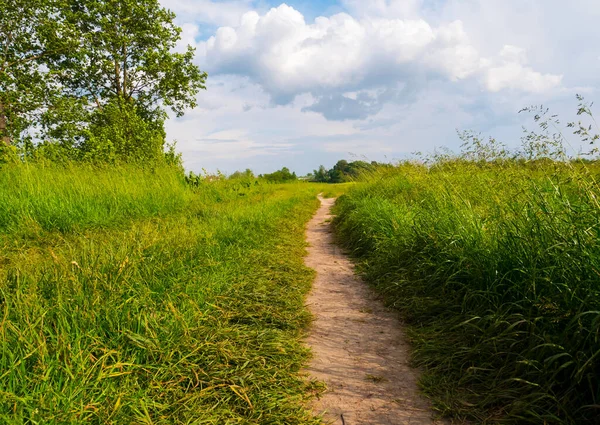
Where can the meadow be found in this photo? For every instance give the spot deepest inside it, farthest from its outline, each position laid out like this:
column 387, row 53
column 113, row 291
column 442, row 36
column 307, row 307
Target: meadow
column 495, row 268
column 131, row 294
column 128, row 296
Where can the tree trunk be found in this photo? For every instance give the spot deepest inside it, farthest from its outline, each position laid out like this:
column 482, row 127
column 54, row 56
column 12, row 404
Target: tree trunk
column 117, row 78
column 125, row 94
column 4, row 126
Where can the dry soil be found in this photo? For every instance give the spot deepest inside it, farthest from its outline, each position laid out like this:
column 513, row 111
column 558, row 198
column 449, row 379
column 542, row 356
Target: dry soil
column 359, row 348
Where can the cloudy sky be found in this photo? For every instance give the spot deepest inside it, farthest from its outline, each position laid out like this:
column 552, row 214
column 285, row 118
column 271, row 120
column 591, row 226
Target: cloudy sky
column 305, row 83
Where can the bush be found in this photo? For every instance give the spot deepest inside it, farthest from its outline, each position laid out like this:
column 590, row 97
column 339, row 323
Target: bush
column 118, row 132
column 281, row 176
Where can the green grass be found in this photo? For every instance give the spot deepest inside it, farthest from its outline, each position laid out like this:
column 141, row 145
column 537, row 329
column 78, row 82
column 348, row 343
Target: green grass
column 334, row 190
column 66, row 198
column 144, row 301
column 496, row 269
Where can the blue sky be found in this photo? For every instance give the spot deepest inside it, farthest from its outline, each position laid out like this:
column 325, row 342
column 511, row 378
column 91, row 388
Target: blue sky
column 305, row 83
column 312, row 8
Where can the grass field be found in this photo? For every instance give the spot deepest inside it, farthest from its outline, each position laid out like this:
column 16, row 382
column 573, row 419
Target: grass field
column 496, row 269
column 128, row 297
column 36, row 198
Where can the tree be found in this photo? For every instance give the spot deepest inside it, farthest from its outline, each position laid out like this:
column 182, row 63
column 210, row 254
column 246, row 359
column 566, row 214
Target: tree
column 126, row 52
column 321, row 175
column 30, row 31
column 119, row 132
column 281, row 176
column 247, row 174
column 343, row 171
column 119, row 80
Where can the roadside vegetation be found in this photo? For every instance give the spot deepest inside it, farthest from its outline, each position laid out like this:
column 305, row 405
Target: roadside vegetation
column 131, row 292
column 344, row 171
column 493, row 259
column 128, row 296
column 37, row 198
column 91, row 81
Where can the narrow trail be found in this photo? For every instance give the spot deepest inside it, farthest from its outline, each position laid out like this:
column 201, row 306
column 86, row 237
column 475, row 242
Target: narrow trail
column 358, row 345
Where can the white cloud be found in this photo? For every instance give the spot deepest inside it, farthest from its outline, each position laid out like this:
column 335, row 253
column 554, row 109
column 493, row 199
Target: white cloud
column 384, row 8
column 512, row 73
column 234, row 144
column 189, row 34
column 218, row 13
column 235, row 126
column 384, row 79
column 518, row 77
column 287, row 56
column 454, row 53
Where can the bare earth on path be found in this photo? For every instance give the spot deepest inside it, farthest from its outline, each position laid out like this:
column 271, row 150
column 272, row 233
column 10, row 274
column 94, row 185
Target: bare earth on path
column 358, row 346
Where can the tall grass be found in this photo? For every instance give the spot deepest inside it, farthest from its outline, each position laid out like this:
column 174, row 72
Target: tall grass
column 191, row 310
column 65, row 198
column 496, row 269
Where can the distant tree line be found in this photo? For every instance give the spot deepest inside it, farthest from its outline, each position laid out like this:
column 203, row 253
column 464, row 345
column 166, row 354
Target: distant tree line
column 344, row 171
column 91, row 79
column 245, row 177
column 281, row 176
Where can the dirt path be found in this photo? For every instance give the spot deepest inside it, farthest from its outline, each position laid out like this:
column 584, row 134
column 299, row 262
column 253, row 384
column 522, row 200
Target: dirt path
column 358, row 345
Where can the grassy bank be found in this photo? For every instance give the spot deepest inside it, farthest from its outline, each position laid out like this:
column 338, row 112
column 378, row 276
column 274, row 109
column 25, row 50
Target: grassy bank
column 144, row 301
column 496, row 269
column 67, row 198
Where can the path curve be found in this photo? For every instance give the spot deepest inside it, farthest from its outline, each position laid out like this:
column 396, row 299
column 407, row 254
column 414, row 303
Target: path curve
column 358, row 346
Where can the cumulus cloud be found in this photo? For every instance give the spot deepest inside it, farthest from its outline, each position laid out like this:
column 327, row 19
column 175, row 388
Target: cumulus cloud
column 226, row 12
column 287, row 56
column 342, row 107
column 512, row 73
column 386, row 78
column 384, row 8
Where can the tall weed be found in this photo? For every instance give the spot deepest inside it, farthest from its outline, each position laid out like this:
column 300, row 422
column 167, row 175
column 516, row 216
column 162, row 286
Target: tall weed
column 495, row 267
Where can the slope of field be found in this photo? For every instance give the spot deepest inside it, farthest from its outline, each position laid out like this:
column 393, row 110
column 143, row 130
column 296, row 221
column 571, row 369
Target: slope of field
column 35, row 198
column 127, row 297
column 496, row 268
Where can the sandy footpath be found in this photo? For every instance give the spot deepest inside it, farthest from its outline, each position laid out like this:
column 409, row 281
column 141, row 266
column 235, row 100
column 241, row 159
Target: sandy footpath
column 358, row 345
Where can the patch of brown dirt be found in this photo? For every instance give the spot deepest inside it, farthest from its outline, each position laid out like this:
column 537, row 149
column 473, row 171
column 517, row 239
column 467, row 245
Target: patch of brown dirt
column 358, row 345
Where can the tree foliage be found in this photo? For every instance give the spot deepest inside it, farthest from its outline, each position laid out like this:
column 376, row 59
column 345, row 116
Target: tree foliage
column 281, row 176
column 343, row 171
column 126, row 51
column 118, row 131
column 246, row 174
column 30, row 31
column 94, row 79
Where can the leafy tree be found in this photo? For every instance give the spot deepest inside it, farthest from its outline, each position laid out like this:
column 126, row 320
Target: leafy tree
column 97, row 75
column 321, row 175
column 246, row 174
column 282, row 176
column 118, row 132
column 336, row 175
column 126, row 52
column 116, row 86
column 30, row 31
column 65, row 122
column 343, row 171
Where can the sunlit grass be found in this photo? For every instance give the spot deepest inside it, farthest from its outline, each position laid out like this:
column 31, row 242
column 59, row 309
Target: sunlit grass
column 65, row 198
column 496, row 269
column 145, row 301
